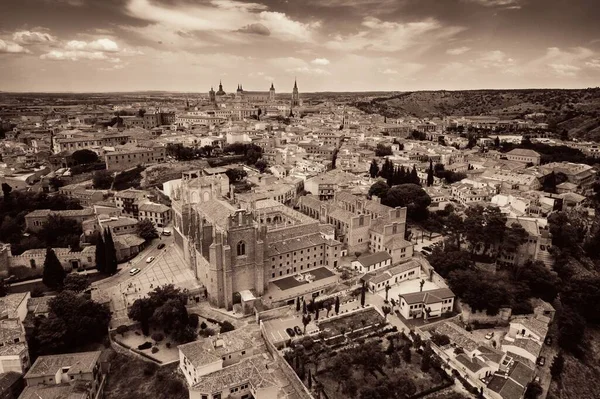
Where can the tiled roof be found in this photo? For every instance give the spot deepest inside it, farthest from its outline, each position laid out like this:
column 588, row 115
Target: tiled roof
column 472, row 364
column 530, row 322
column 10, row 303
column 64, row 213
column 82, row 362
column 254, row 371
column 62, row 391
column 529, row 345
column 152, row 207
column 457, row 335
column 523, row 152
column 13, row 349
column 294, row 244
column 128, row 241
column 371, row 259
column 428, row 297
column 206, row 351
column 397, row 242
column 217, row 212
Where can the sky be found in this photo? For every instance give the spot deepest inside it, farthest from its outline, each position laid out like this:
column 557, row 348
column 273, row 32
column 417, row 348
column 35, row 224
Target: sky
column 327, row 45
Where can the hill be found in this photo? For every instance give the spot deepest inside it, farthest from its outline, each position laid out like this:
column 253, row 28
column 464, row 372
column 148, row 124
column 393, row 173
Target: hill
column 574, row 111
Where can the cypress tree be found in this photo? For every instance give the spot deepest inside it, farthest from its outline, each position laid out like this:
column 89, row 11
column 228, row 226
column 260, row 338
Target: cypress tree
column 414, row 176
column 111, row 253
column 54, row 274
column 337, row 305
column 430, row 174
column 100, row 253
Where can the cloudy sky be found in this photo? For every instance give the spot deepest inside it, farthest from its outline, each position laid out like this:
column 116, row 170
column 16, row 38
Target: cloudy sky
column 329, row 45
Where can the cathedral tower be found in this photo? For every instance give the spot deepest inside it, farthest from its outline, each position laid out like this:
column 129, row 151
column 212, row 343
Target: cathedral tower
column 295, row 95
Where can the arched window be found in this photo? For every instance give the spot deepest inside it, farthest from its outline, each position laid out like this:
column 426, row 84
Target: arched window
column 241, row 248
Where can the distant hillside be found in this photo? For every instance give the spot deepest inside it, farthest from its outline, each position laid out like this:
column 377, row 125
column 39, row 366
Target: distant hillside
column 574, row 111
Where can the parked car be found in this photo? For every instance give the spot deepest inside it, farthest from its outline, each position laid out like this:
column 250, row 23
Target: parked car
column 541, row 361
column 149, row 259
column 537, row 379
column 548, row 340
column 489, row 335
column 298, row 330
column 161, row 245
column 166, row 232
column 290, row 332
column 426, row 251
column 134, row 271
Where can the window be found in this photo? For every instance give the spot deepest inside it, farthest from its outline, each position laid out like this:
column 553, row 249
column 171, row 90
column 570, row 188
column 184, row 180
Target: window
column 241, row 248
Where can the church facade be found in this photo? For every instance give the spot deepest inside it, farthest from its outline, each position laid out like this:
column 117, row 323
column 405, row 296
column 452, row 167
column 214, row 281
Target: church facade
column 233, row 250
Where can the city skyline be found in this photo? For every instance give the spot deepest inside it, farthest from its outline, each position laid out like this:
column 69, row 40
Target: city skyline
column 329, row 45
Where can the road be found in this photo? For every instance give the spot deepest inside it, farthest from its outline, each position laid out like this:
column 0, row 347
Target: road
column 139, row 261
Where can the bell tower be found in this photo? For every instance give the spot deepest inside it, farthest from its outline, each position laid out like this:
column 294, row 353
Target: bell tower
column 295, row 95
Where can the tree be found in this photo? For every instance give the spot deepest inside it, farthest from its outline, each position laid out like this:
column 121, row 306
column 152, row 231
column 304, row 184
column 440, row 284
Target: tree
column 85, row 156
column 141, row 311
column 76, row 283
column 309, row 383
column 395, row 360
column 6, row 190
column 374, row 169
column 226, row 326
column 383, row 150
column 426, row 359
column 73, row 322
column 146, row 230
column 430, row 179
column 54, row 274
column 497, row 142
column 558, row 364
column 305, row 320
column 297, row 304
column 445, row 261
column 406, row 354
column 362, row 294
column 337, row 305
column 411, row 196
column 571, row 328
column 100, row 253
column 440, row 339
column 171, row 315
column 386, row 310
column 236, row 174
column 261, row 165
column 111, row 253
column 379, row 189
column 533, row 391
column 55, row 183
column 102, row 179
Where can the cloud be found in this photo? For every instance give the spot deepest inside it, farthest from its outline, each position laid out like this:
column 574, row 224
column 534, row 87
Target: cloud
column 320, row 61
column 104, row 45
column 73, row 55
column 73, row 3
column 378, row 35
column 458, row 50
column 562, row 63
column 28, row 37
column 308, row 71
column 223, row 17
column 284, row 28
column 511, row 4
column 595, row 63
column 565, row 70
column 12, row 48
column 494, row 59
column 256, row 29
